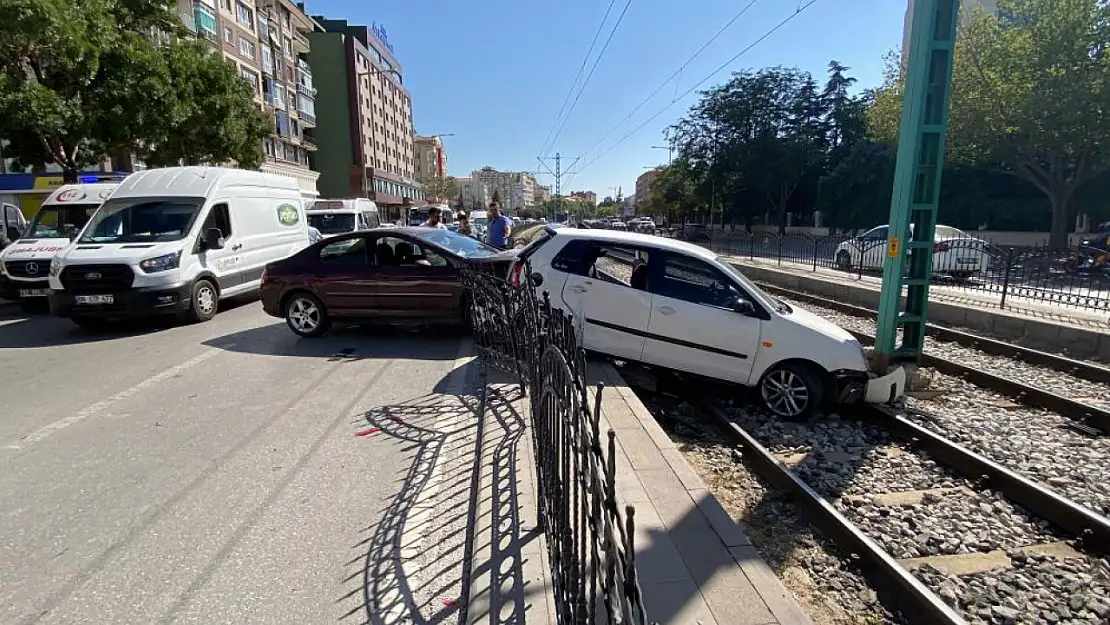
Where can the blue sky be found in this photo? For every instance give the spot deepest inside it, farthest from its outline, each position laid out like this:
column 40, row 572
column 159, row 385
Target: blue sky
column 495, row 72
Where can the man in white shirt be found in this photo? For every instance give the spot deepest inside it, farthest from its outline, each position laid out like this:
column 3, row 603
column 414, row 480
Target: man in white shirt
column 434, row 219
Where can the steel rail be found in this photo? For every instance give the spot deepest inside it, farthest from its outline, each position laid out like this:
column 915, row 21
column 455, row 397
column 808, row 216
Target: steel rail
column 902, row 590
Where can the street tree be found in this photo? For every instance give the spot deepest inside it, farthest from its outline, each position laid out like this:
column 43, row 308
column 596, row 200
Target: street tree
column 211, row 115
column 82, row 79
column 496, row 197
column 441, row 188
column 1029, row 91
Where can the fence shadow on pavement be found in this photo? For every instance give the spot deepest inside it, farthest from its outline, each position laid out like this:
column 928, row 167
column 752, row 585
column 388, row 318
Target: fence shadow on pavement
column 410, row 564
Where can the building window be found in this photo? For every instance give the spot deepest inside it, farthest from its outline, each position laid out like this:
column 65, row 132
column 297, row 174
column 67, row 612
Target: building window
column 244, row 16
column 229, row 36
column 226, row 4
column 287, row 46
column 246, row 48
column 267, row 59
column 251, row 77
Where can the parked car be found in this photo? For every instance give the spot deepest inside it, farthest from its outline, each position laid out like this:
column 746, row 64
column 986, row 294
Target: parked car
column 695, row 232
column 683, row 308
column 955, row 252
column 407, row 276
column 176, row 241
column 24, row 266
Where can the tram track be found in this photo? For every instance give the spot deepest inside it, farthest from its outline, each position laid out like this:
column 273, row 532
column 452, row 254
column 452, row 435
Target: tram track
column 905, row 529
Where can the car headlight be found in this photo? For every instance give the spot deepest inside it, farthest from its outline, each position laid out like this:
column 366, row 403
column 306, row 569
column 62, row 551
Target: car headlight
column 161, row 263
column 55, row 268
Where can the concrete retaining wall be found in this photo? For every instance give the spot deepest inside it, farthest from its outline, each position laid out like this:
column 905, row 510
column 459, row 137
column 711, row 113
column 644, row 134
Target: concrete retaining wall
column 1040, row 334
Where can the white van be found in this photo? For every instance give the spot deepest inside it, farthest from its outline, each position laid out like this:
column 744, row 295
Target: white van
column 332, row 217
column 176, row 241
column 25, row 263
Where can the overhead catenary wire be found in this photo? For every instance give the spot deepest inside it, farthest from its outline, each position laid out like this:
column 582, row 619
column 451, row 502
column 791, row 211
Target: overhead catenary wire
column 678, row 71
column 593, row 68
column 724, row 65
column 574, row 83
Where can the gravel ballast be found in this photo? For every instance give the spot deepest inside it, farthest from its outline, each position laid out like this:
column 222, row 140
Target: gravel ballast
column 1034, row 442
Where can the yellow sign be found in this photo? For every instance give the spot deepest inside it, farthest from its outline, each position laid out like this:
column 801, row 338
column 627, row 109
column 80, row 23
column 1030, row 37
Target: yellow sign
column 892, row 247
column 49, row 183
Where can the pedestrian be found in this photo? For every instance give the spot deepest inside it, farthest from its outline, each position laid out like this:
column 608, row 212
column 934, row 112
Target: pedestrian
column 314, row 235
column 500, row 227
column 464, row 225
column 434, row 219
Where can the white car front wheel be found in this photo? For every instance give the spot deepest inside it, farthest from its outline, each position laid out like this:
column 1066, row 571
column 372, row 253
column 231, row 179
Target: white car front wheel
column 793, row 391
column 844, row 260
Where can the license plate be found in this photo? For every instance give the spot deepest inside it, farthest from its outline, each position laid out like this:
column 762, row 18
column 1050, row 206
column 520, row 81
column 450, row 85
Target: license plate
column 968, row 261
column 34, row 292
column 93, row 299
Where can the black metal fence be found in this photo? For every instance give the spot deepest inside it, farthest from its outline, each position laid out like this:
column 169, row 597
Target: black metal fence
column 1077, row 277
column 589, row 537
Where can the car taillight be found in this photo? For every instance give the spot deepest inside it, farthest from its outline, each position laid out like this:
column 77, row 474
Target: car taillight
column 514, row 278
column 941, row 247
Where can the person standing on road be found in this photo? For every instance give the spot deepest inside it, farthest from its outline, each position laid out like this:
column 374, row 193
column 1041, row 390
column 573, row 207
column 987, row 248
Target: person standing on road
column 314, row 235
column 500, row 227
column 433, row 219
column 464, row 225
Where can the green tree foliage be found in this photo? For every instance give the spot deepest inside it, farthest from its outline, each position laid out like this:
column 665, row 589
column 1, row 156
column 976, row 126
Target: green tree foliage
column 441, row 188
column 1028, row 97
column 496, row 196
column 210, row 116
column 80, row 79
column 757, row 147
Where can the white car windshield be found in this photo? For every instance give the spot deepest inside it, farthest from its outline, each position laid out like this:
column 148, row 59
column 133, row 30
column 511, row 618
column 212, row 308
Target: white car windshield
column 60, row 222
column 465, row 247
column 142, row 220
column 750, row 286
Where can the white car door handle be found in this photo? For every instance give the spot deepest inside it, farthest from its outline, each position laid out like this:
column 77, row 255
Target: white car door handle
column 578, row 288
column 666, row 310
column 237, row 246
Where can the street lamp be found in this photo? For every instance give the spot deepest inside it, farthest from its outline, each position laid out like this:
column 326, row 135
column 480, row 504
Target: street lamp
column 668, row 148
column 374, row 71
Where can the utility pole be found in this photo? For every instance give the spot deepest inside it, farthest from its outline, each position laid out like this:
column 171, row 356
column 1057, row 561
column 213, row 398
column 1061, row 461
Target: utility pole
column 913, row 207
column 558, row 173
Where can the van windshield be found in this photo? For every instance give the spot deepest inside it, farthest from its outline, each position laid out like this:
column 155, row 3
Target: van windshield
column 142, row 220
column 60, row 222
column 332, row 223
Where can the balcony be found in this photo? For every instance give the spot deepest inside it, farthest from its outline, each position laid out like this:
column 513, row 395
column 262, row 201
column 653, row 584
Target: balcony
column 309, row 142
column 300, row 42
column 308, row 118
column 306, row 91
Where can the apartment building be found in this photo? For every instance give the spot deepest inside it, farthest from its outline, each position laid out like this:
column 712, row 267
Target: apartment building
column 584, row 196
column 645, row 180
column 474, row 193
column 542, row 194
column 266, row 40
column 429, row 158
column 517, row 189
column 364, row 117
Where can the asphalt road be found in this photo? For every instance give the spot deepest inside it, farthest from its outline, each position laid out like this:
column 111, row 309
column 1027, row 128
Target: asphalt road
column 199, row 474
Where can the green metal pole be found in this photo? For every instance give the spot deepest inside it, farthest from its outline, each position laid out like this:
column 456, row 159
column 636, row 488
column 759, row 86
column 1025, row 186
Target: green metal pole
column 913, row 208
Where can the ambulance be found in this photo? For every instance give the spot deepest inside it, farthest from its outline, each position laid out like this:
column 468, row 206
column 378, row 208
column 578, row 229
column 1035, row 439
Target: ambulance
column 25, row 264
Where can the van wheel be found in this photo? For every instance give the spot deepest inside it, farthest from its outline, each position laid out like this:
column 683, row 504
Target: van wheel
column 306, row 316
column 204, row 303
column 793, row 391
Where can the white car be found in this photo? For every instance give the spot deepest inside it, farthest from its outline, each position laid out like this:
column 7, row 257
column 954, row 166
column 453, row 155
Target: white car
column 681, row 307
column 955, row 252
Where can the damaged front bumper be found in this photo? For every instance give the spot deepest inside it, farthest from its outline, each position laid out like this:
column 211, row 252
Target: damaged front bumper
column 858, row 386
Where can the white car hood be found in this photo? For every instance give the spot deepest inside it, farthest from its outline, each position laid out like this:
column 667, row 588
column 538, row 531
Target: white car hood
column 819, row 324
column 34, row 249
column 129, row 253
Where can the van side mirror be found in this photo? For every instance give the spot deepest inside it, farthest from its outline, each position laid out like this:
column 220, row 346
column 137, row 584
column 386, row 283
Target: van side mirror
column 213, row 239
column 743, row 306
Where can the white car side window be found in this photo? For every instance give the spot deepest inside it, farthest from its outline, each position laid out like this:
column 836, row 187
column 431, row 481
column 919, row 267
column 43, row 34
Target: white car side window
column 694, row 281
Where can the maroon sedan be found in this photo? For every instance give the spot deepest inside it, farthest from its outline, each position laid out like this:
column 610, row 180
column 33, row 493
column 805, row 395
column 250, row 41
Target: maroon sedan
column 385, row 275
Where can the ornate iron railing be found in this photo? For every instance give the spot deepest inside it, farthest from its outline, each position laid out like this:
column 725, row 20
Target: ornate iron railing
column 589, row 537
